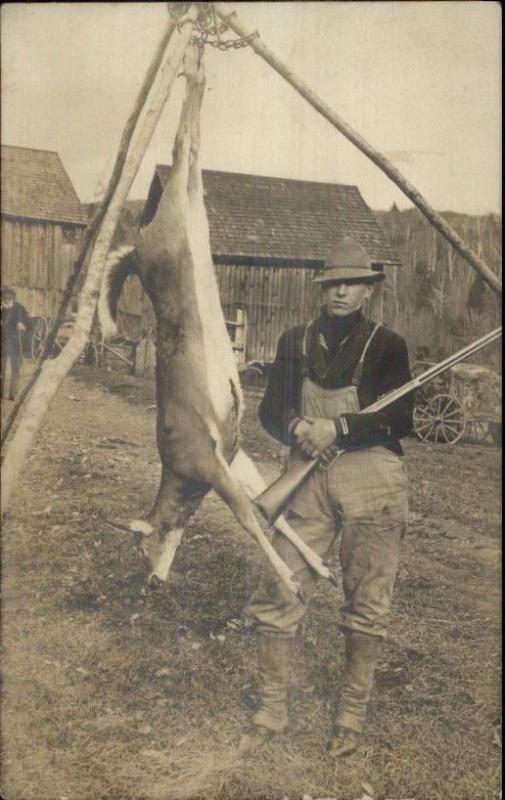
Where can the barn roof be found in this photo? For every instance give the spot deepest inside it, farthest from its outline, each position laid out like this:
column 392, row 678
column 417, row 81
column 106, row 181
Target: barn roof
column 259, row 217
column 36, row 186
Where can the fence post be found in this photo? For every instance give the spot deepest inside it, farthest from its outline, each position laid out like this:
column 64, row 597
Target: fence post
column 240, row 335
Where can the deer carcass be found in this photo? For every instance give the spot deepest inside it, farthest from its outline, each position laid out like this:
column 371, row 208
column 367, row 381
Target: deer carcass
column 199, row 397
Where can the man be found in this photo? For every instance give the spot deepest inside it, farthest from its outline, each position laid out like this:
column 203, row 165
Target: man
column 14, row 319
column 323, row 374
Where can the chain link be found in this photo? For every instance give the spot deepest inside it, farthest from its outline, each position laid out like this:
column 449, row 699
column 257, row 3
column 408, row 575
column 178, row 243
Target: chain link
column 208, row 29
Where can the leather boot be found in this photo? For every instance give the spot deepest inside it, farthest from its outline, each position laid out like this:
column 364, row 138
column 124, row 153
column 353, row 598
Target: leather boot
column 361, row 655
column 274, row 664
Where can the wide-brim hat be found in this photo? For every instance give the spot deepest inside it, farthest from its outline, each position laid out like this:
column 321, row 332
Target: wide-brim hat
column 348, row 261
column 7, row 291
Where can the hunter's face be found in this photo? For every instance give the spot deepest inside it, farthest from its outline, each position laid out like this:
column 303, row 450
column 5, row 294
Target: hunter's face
column 7, row 302
column 343, row 298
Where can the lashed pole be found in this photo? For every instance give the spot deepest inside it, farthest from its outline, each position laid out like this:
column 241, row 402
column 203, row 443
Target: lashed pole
column 346, row 130
column 53, row 372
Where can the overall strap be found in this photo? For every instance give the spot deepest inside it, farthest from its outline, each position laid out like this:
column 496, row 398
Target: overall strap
column 305, row 349
column 358, row 371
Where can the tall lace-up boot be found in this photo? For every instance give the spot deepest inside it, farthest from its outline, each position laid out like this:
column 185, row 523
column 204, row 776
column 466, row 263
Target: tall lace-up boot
column 361, row 653
column 274, row 665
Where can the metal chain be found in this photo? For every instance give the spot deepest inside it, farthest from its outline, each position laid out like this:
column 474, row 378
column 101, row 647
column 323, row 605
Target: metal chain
column 207, row 28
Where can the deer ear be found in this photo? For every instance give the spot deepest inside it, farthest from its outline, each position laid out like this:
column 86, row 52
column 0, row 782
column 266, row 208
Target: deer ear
column 139, row 526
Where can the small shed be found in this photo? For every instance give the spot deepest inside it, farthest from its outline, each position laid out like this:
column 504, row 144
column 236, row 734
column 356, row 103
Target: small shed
column 269, row 237
column 41, row 223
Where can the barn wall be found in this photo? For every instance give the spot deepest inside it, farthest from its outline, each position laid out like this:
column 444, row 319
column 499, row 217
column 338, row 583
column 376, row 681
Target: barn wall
column 274, row 298
column 36, row 260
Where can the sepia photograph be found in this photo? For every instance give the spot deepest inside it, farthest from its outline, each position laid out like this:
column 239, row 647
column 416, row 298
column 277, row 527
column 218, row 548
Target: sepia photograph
column 251, row 394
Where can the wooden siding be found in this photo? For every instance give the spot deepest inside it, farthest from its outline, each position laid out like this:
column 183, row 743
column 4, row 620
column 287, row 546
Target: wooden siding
column 274, row 299
column 36, row 261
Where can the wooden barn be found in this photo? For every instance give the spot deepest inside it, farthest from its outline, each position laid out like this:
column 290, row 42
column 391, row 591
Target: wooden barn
column 42, row 220
column 269, row 238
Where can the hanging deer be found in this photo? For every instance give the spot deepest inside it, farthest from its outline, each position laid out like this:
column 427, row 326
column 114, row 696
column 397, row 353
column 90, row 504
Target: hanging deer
column 199, row 397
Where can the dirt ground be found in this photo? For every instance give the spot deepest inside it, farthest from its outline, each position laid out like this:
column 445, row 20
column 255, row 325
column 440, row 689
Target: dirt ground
column 112, row 695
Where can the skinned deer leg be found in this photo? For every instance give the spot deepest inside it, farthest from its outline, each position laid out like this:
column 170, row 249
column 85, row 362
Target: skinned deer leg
column 230, row 490
column 246, row 472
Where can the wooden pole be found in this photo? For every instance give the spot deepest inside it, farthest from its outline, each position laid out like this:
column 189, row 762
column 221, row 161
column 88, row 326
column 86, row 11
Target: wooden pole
column 336, row 120
column 94, row 224
column 53, row 372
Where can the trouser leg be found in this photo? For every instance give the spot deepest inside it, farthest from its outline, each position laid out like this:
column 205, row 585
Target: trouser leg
column 3, row 374
column 15, row 371
column 275, row 610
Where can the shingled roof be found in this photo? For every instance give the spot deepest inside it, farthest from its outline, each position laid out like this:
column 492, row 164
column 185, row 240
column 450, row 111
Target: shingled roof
column 258, row 217
column 36, row 186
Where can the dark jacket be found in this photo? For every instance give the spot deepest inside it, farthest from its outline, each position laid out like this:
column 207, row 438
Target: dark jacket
column 386, row 367
column 10, row 336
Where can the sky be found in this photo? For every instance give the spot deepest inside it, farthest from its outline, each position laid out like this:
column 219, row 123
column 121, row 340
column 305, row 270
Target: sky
column 420, row 81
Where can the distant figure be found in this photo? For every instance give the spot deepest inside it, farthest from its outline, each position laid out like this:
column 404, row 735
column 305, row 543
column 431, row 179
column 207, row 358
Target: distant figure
column 14, row 319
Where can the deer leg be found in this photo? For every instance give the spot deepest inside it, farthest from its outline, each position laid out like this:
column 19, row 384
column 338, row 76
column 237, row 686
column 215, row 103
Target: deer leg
column 185, row 135
column 231, row 491
column 246, row 472
column 159, row 537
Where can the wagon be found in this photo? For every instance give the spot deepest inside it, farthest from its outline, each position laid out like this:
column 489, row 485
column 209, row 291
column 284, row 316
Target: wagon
column 462, row 402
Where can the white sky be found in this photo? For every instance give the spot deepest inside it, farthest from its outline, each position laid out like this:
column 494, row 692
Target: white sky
column 419, row 80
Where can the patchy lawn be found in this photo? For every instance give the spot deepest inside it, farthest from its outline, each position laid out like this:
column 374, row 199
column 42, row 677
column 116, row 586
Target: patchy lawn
column 110, row 695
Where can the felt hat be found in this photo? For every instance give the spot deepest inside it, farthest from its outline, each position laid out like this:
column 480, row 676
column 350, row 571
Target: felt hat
column 8, row 291
column 348, row 261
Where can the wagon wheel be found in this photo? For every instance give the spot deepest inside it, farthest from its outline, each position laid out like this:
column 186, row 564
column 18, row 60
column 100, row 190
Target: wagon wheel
column 39, row 336
column 477, row 430
column 441, row 419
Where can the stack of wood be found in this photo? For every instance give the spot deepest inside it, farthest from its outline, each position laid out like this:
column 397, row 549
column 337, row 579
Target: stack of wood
column 479, row 390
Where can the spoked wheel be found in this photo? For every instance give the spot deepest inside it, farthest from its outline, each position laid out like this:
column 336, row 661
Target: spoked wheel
column 39, row 336
column 440, row 420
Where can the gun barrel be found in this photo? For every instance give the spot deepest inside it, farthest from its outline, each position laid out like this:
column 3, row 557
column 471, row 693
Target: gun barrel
column 433, row 372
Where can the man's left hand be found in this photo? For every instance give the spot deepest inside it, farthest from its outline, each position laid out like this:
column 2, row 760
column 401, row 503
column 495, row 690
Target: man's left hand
column 317, row 436
column 20, row 327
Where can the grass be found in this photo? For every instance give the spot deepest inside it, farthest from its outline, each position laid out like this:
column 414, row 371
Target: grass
column 111, row 695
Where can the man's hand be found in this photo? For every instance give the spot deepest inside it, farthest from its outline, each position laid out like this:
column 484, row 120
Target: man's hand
column 314, row 436
column 20, row 327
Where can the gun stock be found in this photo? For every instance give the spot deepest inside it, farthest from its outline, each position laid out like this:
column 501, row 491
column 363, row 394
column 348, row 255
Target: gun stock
column 274, row 499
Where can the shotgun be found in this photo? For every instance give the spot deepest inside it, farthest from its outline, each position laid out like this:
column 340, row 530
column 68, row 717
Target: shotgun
column 274, row 499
